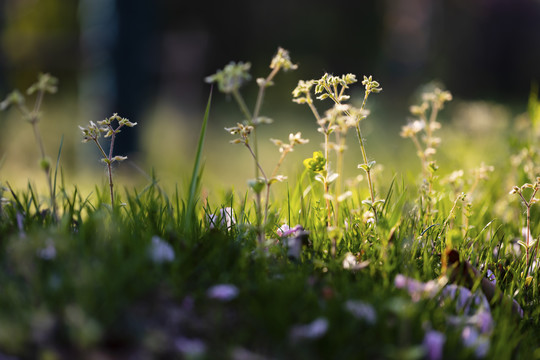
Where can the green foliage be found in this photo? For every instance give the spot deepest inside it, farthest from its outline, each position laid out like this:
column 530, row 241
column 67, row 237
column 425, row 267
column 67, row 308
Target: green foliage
column 337, row 273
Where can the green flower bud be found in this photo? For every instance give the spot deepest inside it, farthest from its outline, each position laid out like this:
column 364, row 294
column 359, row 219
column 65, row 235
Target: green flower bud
column 45, row 164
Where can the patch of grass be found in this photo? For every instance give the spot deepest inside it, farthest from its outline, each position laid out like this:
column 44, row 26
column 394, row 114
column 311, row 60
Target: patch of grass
column 433, row 265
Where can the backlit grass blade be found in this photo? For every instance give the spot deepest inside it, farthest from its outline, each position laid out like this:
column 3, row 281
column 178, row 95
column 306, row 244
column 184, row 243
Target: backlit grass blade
column 197, row 171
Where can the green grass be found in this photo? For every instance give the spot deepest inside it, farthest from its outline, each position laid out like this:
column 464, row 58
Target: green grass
column 136, row 280
column 101, row 291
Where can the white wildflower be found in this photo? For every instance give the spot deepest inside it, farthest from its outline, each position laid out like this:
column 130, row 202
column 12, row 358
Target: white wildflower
column 160, row 251
column 350, row 262
column 222, row 292
column 361, row 311
column 314, row 330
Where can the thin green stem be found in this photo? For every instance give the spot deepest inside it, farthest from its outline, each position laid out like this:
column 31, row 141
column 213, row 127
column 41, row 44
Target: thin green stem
column 527, row 236
column 109, row 168
column 33, row 118
column 421, row 155
column 339, row 180
column 260, row 230
column 242, row 104
column 257, row 162
column 262, row 88
column 365, row 159
column 362, row 147
column 250, row 118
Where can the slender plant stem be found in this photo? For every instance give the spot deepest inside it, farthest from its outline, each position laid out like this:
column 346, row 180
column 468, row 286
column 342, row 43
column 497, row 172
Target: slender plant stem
column 255, row 151
column 33, row 118
column 362, row 145
column 421, row 155
column 257, row 162
column 262, row 88
column 527, row 236
column 250, row 118
column 341, row 145
column 242, row 104
column 260, row 231
column 528, row 205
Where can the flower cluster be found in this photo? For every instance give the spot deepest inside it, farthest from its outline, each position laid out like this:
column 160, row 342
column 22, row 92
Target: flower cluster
column 334, row 86
column 93, row 132
column 432, row 100
column 243, row 131
column 371, row 85
column 231, row 78
column 474, row 314
column 317, row 163
column 294, row 139
column 302, row 92
column 282, row 60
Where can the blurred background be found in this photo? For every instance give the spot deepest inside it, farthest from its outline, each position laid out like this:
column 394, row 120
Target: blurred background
column 147, row 61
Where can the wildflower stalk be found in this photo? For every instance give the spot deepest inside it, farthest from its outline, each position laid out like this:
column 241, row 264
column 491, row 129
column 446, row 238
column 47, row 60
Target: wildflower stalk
column 93, row 133
column 326, row 134
column 45, row 84
column 340, row 152
column 528, row 204
column 229, row 80
column 367, row 167
column 370, row 86
column 434, row 101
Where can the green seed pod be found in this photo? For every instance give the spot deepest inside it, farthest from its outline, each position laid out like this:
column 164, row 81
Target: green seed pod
column 45, row 164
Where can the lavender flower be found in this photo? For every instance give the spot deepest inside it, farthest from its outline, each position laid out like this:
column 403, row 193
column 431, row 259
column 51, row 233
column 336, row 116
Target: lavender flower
column 48, row 252
column 190, row 347
column 472, row 339
column 314, row 330
column 466, row 302
column 415, row 288
column 222, row 292
column 285, row 231
column 160, row 251
column 433, row 344
column 361, row 311
column 491, row 277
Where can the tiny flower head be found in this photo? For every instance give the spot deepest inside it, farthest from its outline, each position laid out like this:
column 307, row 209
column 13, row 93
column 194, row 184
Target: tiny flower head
column 282, row 60
column 419, row 110
column 282, row 146
column 371, row 85
column 232, row 77
column 412, row 128
column 14, row 98
column 46, row 83
column 297, row 139
column 301, row 93
column 243, row 130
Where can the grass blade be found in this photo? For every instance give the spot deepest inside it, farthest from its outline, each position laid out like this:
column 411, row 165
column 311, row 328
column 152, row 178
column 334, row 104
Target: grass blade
column 194, row 185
